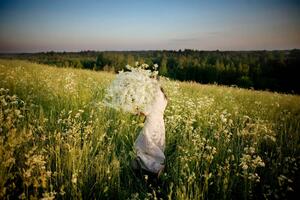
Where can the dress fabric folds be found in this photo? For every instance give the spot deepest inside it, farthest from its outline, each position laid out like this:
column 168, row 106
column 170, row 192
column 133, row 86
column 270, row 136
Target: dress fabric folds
column 150, row 144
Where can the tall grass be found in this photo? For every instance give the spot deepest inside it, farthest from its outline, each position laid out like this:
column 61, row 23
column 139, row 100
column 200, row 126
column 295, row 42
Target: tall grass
column 58, row 141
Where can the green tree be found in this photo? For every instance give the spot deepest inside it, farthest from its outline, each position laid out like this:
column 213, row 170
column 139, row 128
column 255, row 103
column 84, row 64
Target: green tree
column 163, row 70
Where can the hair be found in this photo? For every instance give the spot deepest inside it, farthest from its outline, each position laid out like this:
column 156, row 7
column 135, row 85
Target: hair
column 157, row 77
column 163, row 91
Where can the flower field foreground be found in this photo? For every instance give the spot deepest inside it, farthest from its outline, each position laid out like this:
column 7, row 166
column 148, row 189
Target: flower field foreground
column 59, row 141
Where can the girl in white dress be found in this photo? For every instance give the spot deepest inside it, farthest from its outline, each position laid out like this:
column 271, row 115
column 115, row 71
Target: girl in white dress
column 150, row 144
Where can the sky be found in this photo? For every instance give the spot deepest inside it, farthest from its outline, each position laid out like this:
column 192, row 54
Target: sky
column 76, row 25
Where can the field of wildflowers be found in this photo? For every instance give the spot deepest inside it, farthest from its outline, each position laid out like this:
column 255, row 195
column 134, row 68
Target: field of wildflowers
column 59, row 141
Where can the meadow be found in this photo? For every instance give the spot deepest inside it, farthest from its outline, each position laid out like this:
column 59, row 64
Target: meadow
column 59, row 141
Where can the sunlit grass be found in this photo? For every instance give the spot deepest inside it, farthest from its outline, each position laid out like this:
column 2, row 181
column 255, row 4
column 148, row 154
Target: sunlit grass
column 57, row 140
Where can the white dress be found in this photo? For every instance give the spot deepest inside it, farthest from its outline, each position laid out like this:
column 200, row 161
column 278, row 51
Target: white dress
column 150, row 144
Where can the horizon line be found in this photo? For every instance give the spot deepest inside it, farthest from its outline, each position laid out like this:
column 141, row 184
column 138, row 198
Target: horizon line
column 140, row 50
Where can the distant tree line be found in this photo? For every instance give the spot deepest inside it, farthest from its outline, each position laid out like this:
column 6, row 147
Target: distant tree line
column 271, row 70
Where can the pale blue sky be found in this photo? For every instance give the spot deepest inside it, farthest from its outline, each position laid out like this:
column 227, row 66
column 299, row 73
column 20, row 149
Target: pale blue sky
column 74, row 25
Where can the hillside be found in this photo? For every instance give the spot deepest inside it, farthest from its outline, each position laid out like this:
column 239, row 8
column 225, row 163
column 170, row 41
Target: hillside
column 58, row 140
column 262, row 70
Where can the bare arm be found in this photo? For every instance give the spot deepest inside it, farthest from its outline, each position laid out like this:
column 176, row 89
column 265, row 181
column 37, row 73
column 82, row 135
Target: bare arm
column 138, row 112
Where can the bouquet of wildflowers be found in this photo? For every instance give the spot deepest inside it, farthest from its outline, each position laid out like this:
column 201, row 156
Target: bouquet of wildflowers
column 134, row 90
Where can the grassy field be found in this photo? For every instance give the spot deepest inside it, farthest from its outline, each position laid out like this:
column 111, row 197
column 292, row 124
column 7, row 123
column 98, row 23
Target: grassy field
column 58, row 141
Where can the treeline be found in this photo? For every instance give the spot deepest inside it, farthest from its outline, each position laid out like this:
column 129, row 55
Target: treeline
column 267, row 70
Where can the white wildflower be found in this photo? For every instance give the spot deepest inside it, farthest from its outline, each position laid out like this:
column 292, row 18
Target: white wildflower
column 132, row 91
column 74, row 178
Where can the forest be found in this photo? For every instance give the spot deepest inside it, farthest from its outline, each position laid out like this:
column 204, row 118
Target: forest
column 261, row 70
